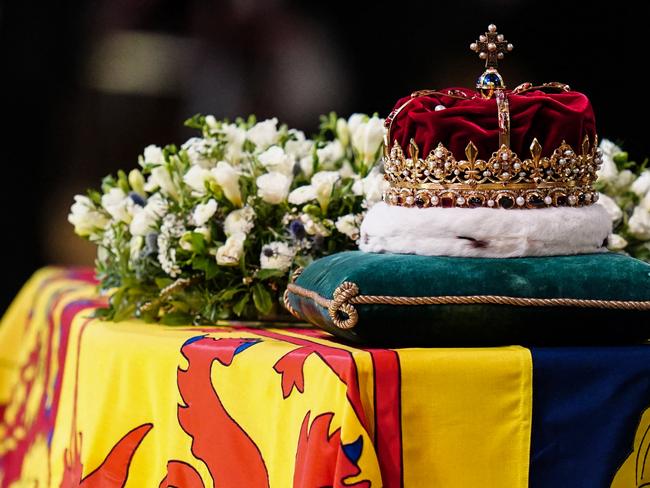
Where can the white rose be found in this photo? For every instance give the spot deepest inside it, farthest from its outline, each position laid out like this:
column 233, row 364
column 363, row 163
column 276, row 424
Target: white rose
column 235, row 137
column 233, row 249
column 197, row 178
column 372, row 187
column 86, row 218
column 367, row 138
column 639, row 223
column 276, row 255
column 614, row 211
column 152, row 155
column 343, row 132
column 616, row 242
column 348, row 225
column 273, row 187
column 160, row 177
column 275, row 159
column 299, row 147
column 239, row 221
column 329, row 154
column 228, row 179
column 302, row 194
column 118, row 205
column 641, row 185
column 204, row 211
column 264, row 134
column 198, row 151
column 145, row 220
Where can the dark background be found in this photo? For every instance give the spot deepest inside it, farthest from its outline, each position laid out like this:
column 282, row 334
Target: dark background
column 87, row 85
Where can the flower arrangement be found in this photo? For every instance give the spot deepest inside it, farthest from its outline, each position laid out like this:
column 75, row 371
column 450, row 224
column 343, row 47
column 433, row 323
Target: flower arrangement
column 624, row 187
column 212, row 230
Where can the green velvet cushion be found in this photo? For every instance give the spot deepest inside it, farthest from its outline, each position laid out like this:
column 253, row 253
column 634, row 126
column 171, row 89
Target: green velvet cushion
column 608, row 299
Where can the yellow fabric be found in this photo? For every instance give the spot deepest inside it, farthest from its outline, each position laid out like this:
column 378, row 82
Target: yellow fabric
column 465, row 413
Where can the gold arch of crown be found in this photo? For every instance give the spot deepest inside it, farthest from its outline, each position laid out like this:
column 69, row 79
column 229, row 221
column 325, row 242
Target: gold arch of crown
column 565, row 178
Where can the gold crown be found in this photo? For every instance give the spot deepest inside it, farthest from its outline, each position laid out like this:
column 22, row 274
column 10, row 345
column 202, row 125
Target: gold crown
column 503, row 181
column 566, row 178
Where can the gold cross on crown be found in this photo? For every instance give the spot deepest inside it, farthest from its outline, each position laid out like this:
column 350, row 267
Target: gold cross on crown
column 491, row 46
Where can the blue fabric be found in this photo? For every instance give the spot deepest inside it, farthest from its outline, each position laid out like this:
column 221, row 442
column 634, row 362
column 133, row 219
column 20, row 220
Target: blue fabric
column 587, row 403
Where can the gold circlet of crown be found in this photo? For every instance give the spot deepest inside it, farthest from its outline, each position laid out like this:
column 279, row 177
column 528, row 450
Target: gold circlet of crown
column 565, row 178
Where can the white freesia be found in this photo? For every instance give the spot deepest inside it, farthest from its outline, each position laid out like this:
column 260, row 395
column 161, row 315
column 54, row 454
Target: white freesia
column 198, row 151
column 235, row 136
column 118, row 205
column 204, row 212
column 277, row 255
column 228, row 179
column 608, row 172
column 239, row 221
column 645, row 202
column 145, row 220
column 608, row 148
column 86, row 218
column 322, row 184
column 135, row 246
column 329, row 154
column 639, row 223
column 197, row 178
column 275, row 159
column 343, row 132
column 232, row 250
column 614, row 211
column 313, row 227
column 641, row 185
column 299, row 146
column 616, row 242
column 273, row 187
column 264, row 134
column 354, row 122
column 302, row 194
column 623, row 181
column 307, row 165
column 136, row 180
column 349, row 225
column 153, row 155
column 372, row 187
column 160, row 178
column 367, row 138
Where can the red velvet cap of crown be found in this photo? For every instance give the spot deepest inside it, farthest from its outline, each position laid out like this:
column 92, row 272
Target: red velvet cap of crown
column 550, row 117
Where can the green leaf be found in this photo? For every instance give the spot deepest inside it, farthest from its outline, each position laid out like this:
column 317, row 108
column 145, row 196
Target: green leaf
column 265, row 274
column 195, row 122
column 241, row 305
column 206, row 264
column 262, row 299
column 176, row 318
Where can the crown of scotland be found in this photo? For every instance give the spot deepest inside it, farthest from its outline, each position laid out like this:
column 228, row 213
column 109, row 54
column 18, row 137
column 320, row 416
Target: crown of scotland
column 531, row 147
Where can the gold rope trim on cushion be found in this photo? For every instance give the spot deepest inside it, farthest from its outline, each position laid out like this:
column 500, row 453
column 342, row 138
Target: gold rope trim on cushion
column 345, row 316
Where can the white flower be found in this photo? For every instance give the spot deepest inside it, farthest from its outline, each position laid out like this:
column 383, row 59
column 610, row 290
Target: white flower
column 198, row 151
column 623, row 181
column 349, row 225
column 204, row 211
column 135, row 245
column 639, row 223
column 343, row 131
column 313, row 227
column 152, row 155
column 160, row 177
column 641, row 185
column 264, row 134
column 86, row 218
column 239, row 221
column 614, row 211
column 371, row 187
column 302, row 194
column 235, row 136
column 145, row 219
column 347, row 171
column 645, row 202
column 228, row 179
column 307, row 165
column 118, row 205
column 233, row 249
column 367, row 137
column 197, row 178
column 275, row 159
column 329, row 154
column 211, row 122
column 172, row 228
column 616, row 242
column 136, row 180
column 355, row 121
column 276, row 255
column 608, row 172
column 299, row 147
column 273, row 187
